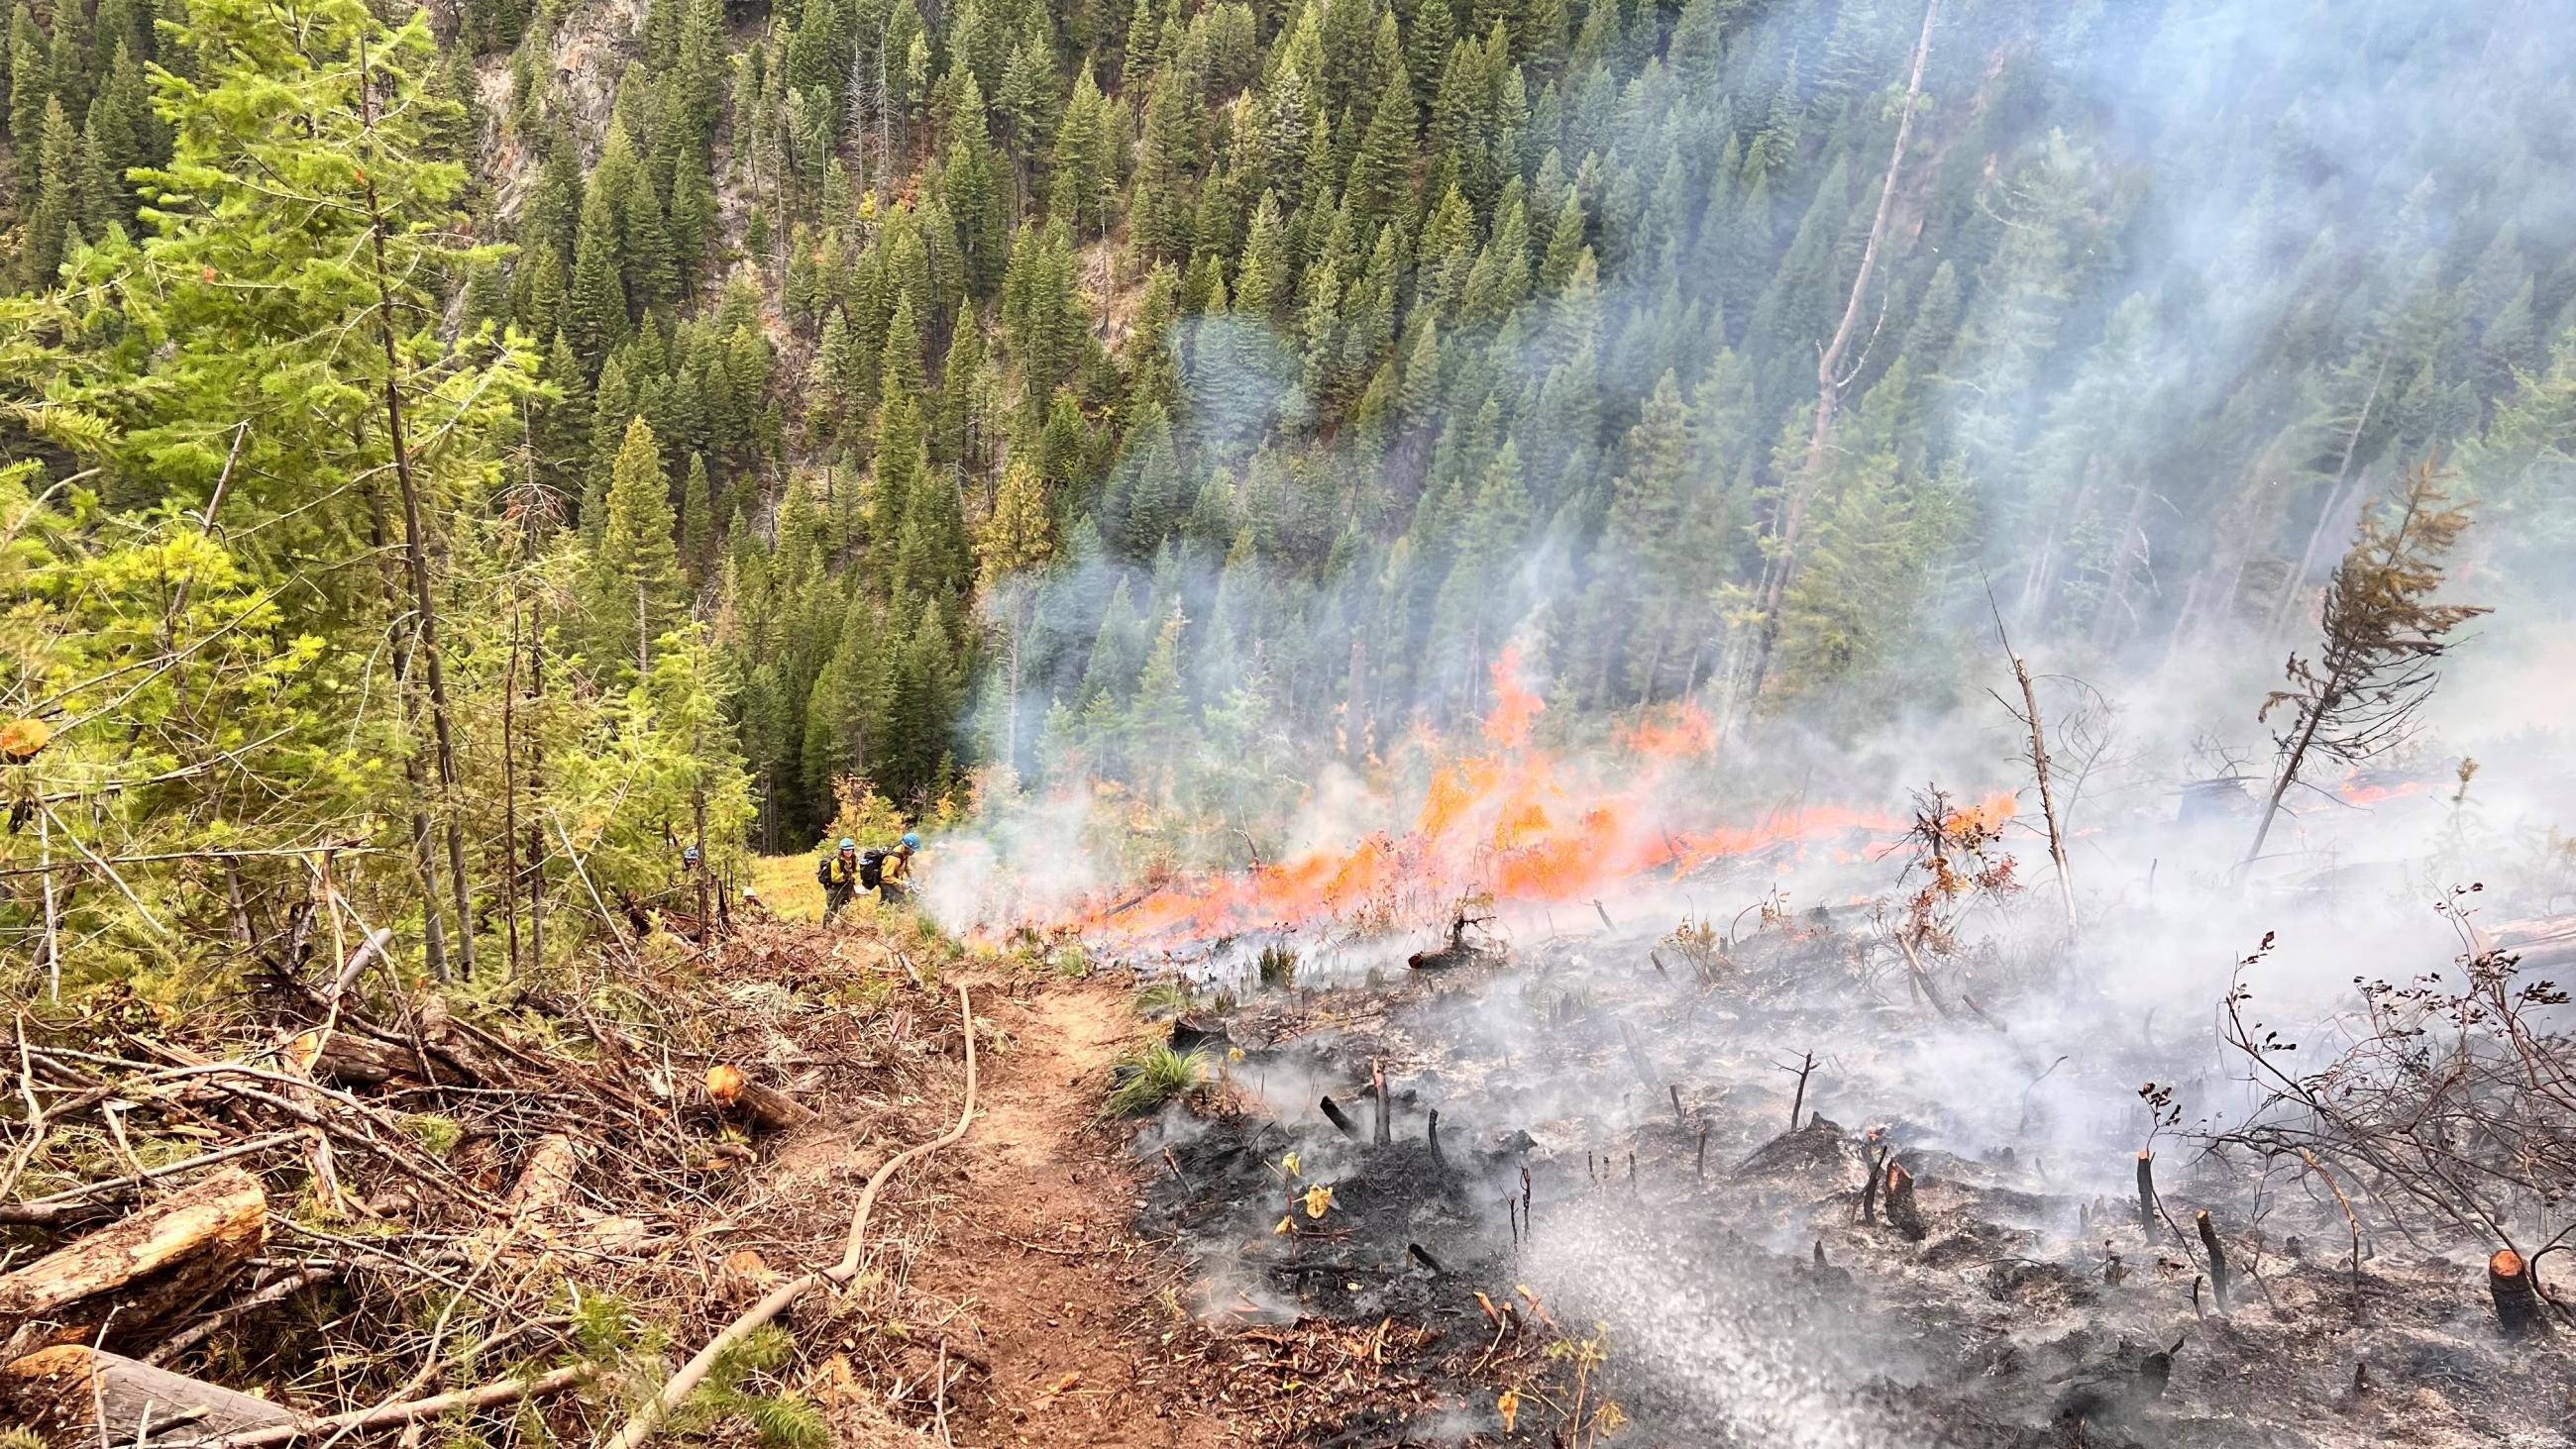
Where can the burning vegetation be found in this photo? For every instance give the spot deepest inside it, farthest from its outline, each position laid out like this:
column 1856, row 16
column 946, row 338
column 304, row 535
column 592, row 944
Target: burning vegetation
column 1901, row 1149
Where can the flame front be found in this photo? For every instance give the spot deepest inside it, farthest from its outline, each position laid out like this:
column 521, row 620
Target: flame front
column 1513, row 821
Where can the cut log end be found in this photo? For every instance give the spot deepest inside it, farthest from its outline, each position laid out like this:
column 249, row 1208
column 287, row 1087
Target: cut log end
column 2519, row 1311
column 734, row 1090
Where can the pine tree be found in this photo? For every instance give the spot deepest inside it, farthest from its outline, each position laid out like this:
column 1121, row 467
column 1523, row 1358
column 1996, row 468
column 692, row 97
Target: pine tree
column 55, row 214
column 697, row 521
column 974, row 200
column 1380, row 191
column 595, row 313
column 1160, row 730
column 28, row 93
column 635, row 593
column 1261, row 277
column 1165, row 196
column 1083, row 170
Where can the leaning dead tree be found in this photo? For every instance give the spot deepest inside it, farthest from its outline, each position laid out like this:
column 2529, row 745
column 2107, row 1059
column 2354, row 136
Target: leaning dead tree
column 2449, row 1108
column 1832, row 377
column 2384, row 635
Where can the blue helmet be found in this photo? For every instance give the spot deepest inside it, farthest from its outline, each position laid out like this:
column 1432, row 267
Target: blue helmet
column 911, row 841
column 689, row 854
column 848, row 844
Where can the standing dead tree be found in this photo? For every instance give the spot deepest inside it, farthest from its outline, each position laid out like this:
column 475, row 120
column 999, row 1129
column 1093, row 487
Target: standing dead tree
column 2359, row 696
column 1831, row 379
column 2029, row 717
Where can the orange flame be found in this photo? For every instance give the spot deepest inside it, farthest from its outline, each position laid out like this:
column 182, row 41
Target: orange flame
column 2363, row 788
column 1987, row 816
column 1516, row 708
column 1679, row 733
column 1516, row 821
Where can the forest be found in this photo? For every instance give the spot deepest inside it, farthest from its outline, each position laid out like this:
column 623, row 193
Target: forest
column 493, row 437
column 457, row 457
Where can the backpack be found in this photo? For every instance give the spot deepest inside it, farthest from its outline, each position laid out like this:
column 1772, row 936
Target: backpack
column 871, row 868
column 823, row 871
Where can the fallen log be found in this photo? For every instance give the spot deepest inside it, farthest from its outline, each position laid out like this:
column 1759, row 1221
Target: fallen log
column 408, row 1413
column 77, row 1396
column 148, row 1270
column 2517, row 1301
column 346, row 1059
column 732, row 1089
column 441, row 1033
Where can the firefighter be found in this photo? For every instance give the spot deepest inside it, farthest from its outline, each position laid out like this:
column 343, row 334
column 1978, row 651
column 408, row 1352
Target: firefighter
column 838, row 874
column 894, row 870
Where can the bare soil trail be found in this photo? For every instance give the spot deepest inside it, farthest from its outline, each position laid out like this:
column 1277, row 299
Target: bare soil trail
column 1059, row 1302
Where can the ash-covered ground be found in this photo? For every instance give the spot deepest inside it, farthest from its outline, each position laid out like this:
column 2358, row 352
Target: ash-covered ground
column 1661, row 1260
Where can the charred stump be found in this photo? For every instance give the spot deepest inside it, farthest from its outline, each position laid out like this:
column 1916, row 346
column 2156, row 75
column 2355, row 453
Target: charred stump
column 2220, row 1283
column 2517, row 1299
column 1902, row 1212
column 1334, row 1114
column 2117, row 1392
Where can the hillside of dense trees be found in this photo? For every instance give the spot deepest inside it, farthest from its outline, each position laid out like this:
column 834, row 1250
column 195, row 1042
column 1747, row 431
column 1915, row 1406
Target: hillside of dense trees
column 502, row 444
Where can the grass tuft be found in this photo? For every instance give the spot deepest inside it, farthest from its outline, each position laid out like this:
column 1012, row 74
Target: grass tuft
column 1278, row 966
column 1163, row 998
column 1151, row 1076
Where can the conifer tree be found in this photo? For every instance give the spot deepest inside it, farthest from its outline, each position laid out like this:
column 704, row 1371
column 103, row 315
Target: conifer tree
column 1083, row 169
column 595, row 312
column 635, row 590
column 28, row 93
column 55, row 214
column 697, row 521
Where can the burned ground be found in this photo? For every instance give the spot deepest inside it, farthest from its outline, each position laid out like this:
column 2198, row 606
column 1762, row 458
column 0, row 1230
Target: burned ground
column 1615, row 1200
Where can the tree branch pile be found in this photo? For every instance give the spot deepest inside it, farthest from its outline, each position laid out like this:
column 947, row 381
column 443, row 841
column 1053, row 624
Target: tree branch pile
column 399, row 1207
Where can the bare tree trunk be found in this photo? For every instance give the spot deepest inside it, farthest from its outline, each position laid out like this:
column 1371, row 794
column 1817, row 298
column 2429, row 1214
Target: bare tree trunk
column 2039, row 768
column 2343, row 481
column 1355, row 717
column 53, row 921
column 2124, row 556
column 416, row 548
column 433, row 932
column 1829, row 382
column 510, row 795
column 536, row 789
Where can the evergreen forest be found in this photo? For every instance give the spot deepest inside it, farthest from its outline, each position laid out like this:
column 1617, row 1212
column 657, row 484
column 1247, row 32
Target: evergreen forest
column 492, row 445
